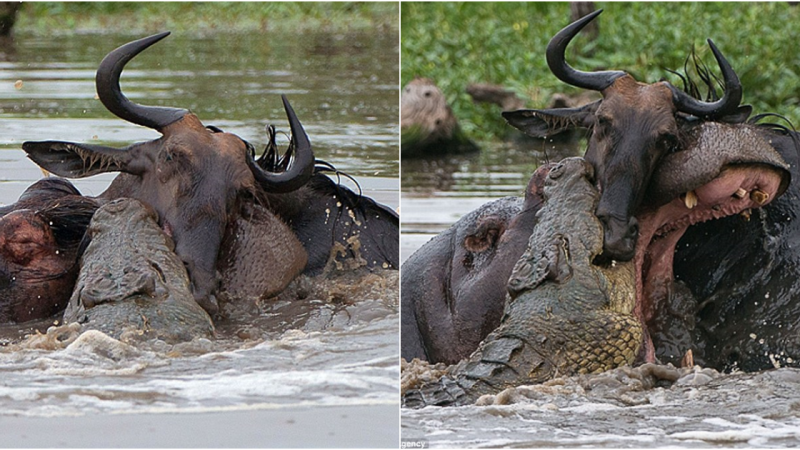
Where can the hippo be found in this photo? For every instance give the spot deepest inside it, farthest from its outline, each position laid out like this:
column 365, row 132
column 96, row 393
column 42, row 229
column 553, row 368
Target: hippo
column 723, row 170
column 39, row 242
column 453, row 288
column 739, row 279
column 131, row 281
column 564, row 315
column 429, row 127
column 253, row 237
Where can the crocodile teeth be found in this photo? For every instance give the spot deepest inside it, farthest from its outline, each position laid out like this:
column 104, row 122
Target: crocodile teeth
column 690, row 199
column 740, row 193
column 746, row 214
column 759, row 197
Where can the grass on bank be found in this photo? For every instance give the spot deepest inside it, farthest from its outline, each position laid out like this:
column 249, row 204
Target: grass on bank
column 456, row 44
column 53, row 18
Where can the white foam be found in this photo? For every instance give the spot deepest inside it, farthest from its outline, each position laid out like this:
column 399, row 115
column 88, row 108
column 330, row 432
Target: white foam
column 97, row 374
column 591, row 408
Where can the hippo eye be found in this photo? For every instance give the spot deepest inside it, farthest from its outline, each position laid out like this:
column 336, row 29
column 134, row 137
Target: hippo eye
column 556, row 172
column 669, row 143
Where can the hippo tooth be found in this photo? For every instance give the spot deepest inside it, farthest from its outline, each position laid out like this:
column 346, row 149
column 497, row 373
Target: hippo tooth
column 688, row 359
column 690, row 200
column 746, row 214
column 759, row 197
column 740, row 193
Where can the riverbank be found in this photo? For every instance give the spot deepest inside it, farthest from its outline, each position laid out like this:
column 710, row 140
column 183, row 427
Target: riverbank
column 457, row 44
column 58, row 18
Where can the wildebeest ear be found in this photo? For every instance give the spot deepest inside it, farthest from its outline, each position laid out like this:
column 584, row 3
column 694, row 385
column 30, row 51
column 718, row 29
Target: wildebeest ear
column 71, row 160
column 739, row 116
column 548, row 122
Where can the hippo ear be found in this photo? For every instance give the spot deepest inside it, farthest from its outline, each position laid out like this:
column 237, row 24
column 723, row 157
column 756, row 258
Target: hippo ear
column 485, row 234
column 71, row 160
column 548, row 122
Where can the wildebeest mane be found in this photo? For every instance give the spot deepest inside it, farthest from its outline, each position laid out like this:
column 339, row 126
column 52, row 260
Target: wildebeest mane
column 694, row 65
column 352, row 200
column 355, row 201
column 705, row 80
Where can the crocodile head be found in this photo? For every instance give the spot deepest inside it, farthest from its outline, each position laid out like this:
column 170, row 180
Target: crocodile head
column 131, row 279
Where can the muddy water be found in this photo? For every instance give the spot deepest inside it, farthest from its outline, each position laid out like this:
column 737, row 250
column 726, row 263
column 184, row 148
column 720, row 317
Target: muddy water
column 642, row 407
column 437, row 192
column 650, row 406
column 336, row 348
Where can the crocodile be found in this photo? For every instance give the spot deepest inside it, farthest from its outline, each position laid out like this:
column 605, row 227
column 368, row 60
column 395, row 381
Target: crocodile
column 563, row 314
column 131, row 281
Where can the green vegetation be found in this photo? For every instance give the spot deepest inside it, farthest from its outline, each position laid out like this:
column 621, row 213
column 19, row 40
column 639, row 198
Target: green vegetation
column 456, row 44
column 48, row 18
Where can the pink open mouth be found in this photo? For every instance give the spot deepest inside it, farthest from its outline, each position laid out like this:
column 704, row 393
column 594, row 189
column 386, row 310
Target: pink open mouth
column 737, row 190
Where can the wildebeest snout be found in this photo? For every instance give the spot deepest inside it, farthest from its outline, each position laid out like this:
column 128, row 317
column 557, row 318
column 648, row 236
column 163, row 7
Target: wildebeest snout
column 620, row 236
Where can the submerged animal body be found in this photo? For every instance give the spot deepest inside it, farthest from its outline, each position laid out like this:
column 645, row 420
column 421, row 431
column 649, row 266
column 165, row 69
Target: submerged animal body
column 200, row 179
column 39, row 242
column 131, row 281
column 563, row 315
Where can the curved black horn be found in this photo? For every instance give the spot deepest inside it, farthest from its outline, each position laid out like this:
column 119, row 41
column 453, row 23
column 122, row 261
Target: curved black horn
column 301, row 167
column 727, row 104
column 596, row 81
column 107, row 82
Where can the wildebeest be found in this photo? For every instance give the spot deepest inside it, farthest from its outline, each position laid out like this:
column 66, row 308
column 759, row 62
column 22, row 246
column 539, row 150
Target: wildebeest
column 632, row 127
column 200, row 179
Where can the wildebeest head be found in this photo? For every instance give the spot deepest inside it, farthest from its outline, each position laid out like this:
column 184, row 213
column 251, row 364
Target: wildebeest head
column 632, row 127
column 192, row 175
